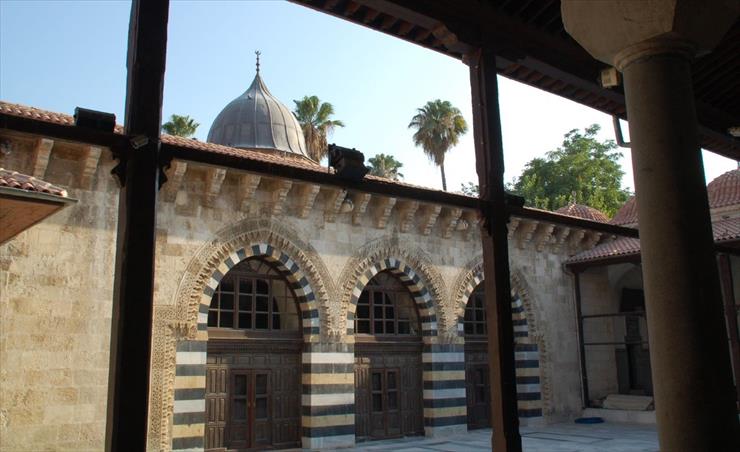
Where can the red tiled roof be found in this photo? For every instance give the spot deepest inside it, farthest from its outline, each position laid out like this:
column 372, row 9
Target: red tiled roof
column 724, row 230
column 276, row 157
column 583, row 211
column 14, row 179
column 627, row 214
column 724, row 190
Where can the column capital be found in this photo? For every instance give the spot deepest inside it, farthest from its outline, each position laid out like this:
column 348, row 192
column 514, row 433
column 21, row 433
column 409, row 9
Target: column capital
column 619, row 32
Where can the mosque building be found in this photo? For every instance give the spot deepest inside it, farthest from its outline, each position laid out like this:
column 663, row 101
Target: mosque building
column 294, row 314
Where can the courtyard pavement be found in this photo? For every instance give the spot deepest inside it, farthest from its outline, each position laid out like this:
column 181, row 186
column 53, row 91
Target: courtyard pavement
column 606, row 437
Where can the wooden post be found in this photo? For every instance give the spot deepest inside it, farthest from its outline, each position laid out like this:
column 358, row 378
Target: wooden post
column 138, row 171
column 489, row 157
column 581, row 340
column 728, row 292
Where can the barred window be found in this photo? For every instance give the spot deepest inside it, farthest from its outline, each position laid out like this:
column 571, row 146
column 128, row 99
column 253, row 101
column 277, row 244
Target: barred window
column 475, row 313
column 253, row 296
column 385, row 307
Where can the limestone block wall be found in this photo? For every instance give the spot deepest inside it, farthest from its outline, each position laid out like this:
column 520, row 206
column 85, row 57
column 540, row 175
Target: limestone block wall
column 55, row 307
column 597, row 298
column 550, row 290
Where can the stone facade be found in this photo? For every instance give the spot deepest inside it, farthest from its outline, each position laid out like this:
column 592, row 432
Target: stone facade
column 55, row 297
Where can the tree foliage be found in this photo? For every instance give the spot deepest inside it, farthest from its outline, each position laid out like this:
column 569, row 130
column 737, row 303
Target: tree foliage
column 439, row 127
column 387, row 166
column 181, row 126
column 582, row 170
column 470, row 189
column 316, row 123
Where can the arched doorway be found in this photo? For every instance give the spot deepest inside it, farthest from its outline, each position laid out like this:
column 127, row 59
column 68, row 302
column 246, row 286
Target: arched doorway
column 477, row 385
column 477, row 389
column 253, row 371
column 388, row 367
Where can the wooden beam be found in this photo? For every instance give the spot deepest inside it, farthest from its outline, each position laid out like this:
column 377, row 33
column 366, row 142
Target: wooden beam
column 730, row 307
column 40, row 158
column 131, row 323
column 89, row 165
column 489, row 159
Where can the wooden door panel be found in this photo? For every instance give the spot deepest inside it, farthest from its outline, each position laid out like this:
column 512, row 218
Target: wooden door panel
column 477, row 386
column 216, row 383
column 362, row 398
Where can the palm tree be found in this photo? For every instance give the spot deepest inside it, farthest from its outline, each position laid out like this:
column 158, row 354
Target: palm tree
column 181, row 126
column 438, row 126
column 385, row 166
column 316, row 123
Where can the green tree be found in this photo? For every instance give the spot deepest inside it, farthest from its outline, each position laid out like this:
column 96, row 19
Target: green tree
column 316, row 123
column 582, row 170
column 438, row 126
column 387, row 166
column 181, row 126
column 470, row 189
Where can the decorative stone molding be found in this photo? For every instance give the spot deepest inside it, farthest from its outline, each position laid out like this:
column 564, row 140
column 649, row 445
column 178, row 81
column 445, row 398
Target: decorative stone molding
column 306, row 197
column 382, row 210
column 429, row 216
column 414, row 269
column 334, row 202
column 175, row 175
column 465, row 284
column 247, row 233
column 214, row 180
column 89, row 165
column 406, row 211
column 248, row 184
column 361, row 201
column 280, row 189
column 449, row 221
column 40, row 157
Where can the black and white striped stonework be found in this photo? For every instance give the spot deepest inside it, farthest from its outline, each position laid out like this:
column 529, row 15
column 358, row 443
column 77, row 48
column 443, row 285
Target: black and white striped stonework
column 526, row 354
column 443, row 365
column 190, row 372
column 328, row 400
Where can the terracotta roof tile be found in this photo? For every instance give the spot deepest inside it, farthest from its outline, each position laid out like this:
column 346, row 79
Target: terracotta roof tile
column 724, row 190
column 627, row 214
column 583, row 211
column 14, row 179
column 277, row 157
column 724, row 230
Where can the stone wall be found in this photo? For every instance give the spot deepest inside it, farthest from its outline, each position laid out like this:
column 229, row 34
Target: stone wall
column 56, row 287
column 55, row 307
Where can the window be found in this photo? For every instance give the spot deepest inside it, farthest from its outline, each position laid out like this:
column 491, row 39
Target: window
column 385, row 308
column 253, row 296
column 475, row 313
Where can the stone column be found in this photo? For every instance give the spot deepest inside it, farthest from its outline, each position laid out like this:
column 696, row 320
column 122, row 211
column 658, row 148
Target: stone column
column 652, row 43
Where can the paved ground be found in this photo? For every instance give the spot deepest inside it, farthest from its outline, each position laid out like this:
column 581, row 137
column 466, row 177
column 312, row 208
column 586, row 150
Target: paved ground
column 606, row 437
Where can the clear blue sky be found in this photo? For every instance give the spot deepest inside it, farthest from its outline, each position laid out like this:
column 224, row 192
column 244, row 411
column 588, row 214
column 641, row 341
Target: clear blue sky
column 57, row 55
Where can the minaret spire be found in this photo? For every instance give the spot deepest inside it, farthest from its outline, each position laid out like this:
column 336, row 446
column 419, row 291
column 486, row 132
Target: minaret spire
column 258, row 53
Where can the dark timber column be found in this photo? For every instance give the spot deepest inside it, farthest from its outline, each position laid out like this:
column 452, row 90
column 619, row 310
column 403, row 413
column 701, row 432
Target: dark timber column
column 694, row 394
column 131, row 328
column 489, row 159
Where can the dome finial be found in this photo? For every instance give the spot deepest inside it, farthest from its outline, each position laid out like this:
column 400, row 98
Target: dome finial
column 258, row 53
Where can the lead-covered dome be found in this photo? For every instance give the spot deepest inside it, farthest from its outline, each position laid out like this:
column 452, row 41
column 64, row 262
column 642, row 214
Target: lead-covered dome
column 257, row 120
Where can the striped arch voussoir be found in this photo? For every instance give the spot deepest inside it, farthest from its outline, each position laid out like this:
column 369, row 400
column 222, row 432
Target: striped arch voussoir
column 285, row 265
column 414, row 283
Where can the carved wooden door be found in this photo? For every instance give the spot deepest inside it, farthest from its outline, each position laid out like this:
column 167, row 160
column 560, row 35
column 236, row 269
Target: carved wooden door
column 477, row 385
column 217, row 382
column 249, row 410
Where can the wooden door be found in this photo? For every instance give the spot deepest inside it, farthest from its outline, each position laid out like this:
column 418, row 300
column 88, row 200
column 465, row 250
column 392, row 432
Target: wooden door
column 388, row 392
column 217, row 382
column 477, row 385
column 253, row 397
